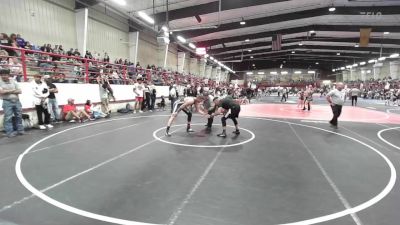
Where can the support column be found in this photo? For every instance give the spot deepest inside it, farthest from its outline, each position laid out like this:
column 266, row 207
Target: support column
column 377, row 71
column 133, row 46
column 181, row 61
column 395, row 69
column 202, row 69
column 193, row 67
column 218, row 75
column 364, row 73
column 81, row 22
column 208, row 71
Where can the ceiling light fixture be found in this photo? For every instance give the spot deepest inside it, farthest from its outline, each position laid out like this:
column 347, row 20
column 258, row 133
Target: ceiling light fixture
column 212, row 58
column 356, row 45
column 284, row 72
column 120, row 2
column 317, row 63
column 338, row 53
column 362, row 63
column 300, row 44
column 311, row 71
column 293, row 52
column 146, row 17
column 251, row 57
column 192, row 45
column 297, row 72
column 332, row 9
column 181, row 39
column 164, row 28
column 395, row 55
column 247, row 40
column 249, row 73
column 273, row 73
column 249, row 50
column 260, row 73
column 382, row 58
column 372, row 61
column 386, row 33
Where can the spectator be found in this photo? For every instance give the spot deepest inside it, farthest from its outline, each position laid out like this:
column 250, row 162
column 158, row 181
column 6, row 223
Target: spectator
column 52, row 102
column 94, row 110
column 9, row 91
column 162, row 103
column 40, row 95
column 147, row 97
column 76, row 53
column 173, row 95
column 153, row 96
column 71, row 114
column 20, row 41
column 15, row 69
column 138, row 89
column 104, row 95
column 5, row 40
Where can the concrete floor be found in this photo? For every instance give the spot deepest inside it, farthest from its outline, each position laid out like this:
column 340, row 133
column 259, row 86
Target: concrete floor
column 115, row 170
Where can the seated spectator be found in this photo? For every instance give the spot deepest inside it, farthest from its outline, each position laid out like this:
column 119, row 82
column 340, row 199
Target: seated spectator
column 15, row 69
column 71, row 114
column 94, row 110
column 20, row 41
column 5, row 40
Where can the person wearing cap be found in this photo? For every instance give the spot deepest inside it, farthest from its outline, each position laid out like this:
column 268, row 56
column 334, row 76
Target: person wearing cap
column 40, row 99
column 9, row 91
column 52, row 101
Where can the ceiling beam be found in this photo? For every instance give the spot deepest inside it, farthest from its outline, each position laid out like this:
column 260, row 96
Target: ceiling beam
column 246, row 47
column 207, row 8
column 385, row 10
column 354, row 28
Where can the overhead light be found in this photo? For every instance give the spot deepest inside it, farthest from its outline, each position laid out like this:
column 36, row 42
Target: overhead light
column 206, row 56
column 368, row 71
column 284, row 72
column 260, row 73
column 249, row 50
column 333, row 70
column 293, row 52
column 297, row 72
column 395, row 55
column 356, row 45
column 355, row 65
column 349, row 67
column 300, row 44
column 247, row 40
column 332, row 9
column 192, row 45
column 146, row 17
column 254, row 64
column 215, row 60
column 372, row 61
column 120, row 2
column 311, row 71
column 312, row 31
column 338, row 53
column 273, row 73
column 316, row 63
column 281, row 66
column 251, row 57
column 212, row 58
column 249, row 73
column 164, row 28
column 342, row 68
column 382, row 58
column 386, row 33
column 181, row 39
column 242, row 22
column 362, row 63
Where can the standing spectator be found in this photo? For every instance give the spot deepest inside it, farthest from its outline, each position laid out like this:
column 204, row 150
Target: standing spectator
column 284, row 94
column 336, row 99
column 9, row 91
column 104, row 95
column 173, row 95
column 40, row 94
column 138, row 89
column 153, row 95
column 147, row 97
column 354, row 94
column 53, row 105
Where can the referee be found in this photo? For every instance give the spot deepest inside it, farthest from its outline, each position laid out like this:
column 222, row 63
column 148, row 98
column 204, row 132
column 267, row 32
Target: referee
column 336, row 99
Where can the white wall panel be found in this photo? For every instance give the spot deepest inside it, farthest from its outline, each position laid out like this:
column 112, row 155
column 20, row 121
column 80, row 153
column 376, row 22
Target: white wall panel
column 104, row 38
column 148, row 50
column 40, row 21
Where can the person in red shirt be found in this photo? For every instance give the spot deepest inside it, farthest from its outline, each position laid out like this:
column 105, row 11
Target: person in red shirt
column 71, row 114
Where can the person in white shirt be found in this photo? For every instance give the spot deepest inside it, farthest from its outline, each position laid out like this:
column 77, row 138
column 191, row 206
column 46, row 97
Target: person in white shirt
column 336, row 98
column 138, row 89
column 354, row 95
column 40, row 99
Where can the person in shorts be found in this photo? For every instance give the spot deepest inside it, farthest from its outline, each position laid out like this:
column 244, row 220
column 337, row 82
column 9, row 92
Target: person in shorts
column 224, row 105
column 138, row 89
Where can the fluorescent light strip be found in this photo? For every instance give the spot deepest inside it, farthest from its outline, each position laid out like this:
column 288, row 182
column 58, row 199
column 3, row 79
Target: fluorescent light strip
column 120, row 2
column 192, row 45
column 395, row 55
column 146, row 17
column 249, row 73
column 181, row 39
column 297, row 72
column 362, row 63
column 260, row 73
